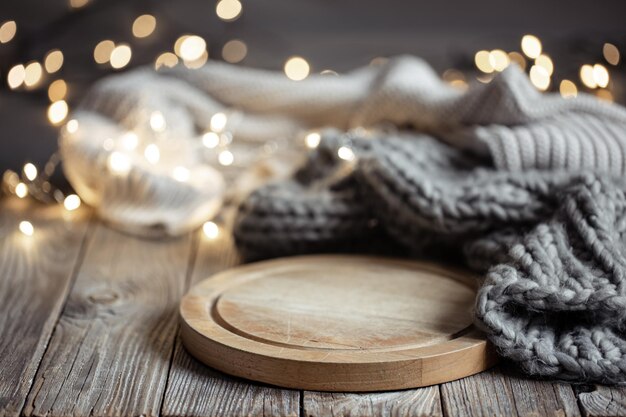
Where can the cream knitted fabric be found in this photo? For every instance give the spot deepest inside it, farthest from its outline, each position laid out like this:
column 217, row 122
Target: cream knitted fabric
column 554, row 299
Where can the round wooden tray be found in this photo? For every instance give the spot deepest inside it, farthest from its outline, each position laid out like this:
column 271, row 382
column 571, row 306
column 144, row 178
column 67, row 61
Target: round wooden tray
column 337, row 323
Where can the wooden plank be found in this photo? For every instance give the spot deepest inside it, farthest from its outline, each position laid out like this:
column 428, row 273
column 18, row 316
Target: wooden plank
column 503, row 392
column 111, row 350
column 195, row 389
column 36, row 273
column 600, row 401
column 416, row 402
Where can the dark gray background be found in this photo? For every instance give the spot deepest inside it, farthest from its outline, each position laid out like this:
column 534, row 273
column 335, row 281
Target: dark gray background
column 331, row 34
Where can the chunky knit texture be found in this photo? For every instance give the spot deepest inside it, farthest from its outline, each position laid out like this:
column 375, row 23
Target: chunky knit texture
column 554, row 299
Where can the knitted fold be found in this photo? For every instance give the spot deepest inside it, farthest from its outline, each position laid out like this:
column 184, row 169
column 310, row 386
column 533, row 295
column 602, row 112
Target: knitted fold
column 553, row 299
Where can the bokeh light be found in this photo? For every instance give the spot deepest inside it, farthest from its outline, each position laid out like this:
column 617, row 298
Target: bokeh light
column 57, row 90
column 120, row 56
column 53, row 61
column 297, row 68
column 228, row 10
column 234, row 51
column 102, row 51
column 7, row 31
column 57, row 112
column 144, row 26
column 531, row 46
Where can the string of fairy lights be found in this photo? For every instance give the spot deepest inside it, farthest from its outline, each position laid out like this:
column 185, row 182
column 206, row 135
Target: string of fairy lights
column 191, row 51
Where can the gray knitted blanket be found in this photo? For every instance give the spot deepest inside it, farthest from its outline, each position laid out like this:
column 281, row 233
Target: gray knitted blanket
column 551, row 242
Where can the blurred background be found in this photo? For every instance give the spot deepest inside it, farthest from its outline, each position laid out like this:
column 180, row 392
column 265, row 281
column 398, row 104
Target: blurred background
column 51, row 51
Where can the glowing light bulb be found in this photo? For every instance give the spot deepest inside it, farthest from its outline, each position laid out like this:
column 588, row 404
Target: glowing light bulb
column 152, row 154
column 21, row 190
column 53, row 61
column 166, row 59
column 7, row 31
column 587, row 76
column 26, row 228
column 119, row 163
column 71, row 202
column 539, row 77
column 297, row 68
column 234, row 51
column 312, row 140
column 345, row 153
column 483, row 62
column 120, row 56
column 57, row 112
column 16, row 76
column 192, row 48
column 181, row 174
column 72, row 126
column 600, row 75
column 499, row 60
column 144, row 25
column 211, row 230
column 130, row 140
column 568, row 89
column 218, row 122
column 210, row 140
column 531, row 46
column 102, row 51
column 228, row 10
column 33, row 73
column 157, row 121
column 226, row 158
column 30, row 171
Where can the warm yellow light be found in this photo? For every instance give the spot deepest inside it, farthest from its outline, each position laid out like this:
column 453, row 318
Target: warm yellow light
column 7, row 31
column 234, row 51
column 226, row 158
column 26, row 228
column 600, row 75
column 16, row 76
column 539, row 77
column 482, row 61
column 102, row 51
column 130, row 140
column 546, row 63
column 33, row 73
column 71, row 202
column 30, row 171
column 228, row 10
column 604, row 95
column 144, row 25
column 211, row 230
column 120, row 57
column 531, row 46
column 57, row 112
column 568, row 89
column 57, row 90
column 197, row 63
column 77, row 4
column 72, row 126
column 218, row 122
column 610, row 52
column 210, row 140
column 21, row 190
column 119, row 163
column 152, row 154
column 587, row 77
column 166, row 59
column 53, row 61
column 181, row 174
column 157, row 121
column 345, row 153
column 179, row 43
column 312, row 140
column 518, row 58
column 498, row 59
column 192, row 48
column 296, row 68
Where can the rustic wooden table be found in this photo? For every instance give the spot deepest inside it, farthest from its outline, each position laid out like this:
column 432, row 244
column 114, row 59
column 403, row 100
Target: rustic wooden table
column 88, row 327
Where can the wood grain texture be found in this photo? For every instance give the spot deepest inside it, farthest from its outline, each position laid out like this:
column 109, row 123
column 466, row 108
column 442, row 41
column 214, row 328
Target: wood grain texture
column 111, row 350
column 601, row 401
column 194, row 389
column 412, row 403
column 36, row 273
column 501, row 392
column 332, row 323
